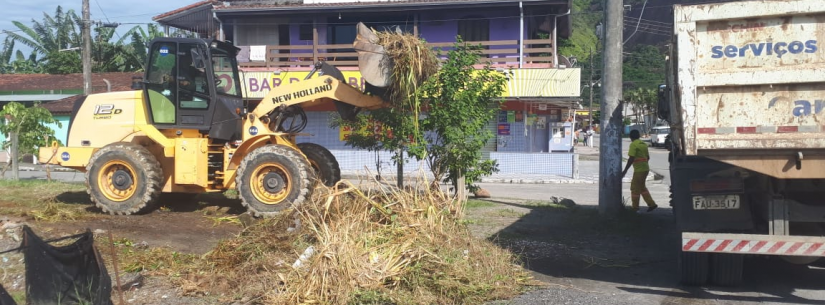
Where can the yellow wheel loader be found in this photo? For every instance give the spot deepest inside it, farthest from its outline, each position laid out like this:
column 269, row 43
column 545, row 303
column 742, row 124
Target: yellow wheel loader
column 185, row 129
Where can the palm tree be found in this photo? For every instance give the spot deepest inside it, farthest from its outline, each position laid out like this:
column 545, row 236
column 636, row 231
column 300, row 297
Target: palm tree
column 52, row 34
column 137, row 50
column 16, row 62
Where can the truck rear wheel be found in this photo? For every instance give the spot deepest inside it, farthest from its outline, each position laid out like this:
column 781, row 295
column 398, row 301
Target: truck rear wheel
column 123, row 179
column 693, row 268
column 323, row 162
column 726, row 269
column 272, row 178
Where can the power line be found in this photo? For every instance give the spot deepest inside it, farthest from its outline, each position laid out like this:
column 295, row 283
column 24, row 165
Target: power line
column 101, row 10
column 638, row 23
column 653, row 25
column 650, row 21
column 107, row 18
column 654, row 28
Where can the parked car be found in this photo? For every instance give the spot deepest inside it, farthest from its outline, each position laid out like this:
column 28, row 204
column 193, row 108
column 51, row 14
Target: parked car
column 658, row 135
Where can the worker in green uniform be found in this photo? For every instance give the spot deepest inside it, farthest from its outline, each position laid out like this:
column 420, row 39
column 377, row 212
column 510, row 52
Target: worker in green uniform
column 638, row 156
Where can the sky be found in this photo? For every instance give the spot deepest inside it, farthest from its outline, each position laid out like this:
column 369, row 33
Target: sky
column 121, row 11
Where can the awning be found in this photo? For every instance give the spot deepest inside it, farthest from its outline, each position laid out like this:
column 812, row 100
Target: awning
column 544, row 82
column 558, row 87
column 196, row 17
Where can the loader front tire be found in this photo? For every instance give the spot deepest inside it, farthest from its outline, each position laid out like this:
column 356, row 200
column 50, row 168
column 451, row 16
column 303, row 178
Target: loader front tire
column 124, row 179
column 272, row 178
column 323, row 162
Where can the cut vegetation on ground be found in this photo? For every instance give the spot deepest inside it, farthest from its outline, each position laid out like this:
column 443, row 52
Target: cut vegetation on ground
column 348, row 247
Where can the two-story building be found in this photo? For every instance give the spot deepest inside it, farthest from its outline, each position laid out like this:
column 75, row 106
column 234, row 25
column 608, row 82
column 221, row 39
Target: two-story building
column 280, row 40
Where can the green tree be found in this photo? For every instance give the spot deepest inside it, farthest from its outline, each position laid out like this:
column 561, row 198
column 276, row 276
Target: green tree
column 23, row 65
column 16, row 62
column 643, row 102
column 6, row 52
column 643, row 67
column 586, row 15
column 27, row 129
column 63, row 63
column 461, row 101
column 458, row 102
column 138, row 47
column 52, row 34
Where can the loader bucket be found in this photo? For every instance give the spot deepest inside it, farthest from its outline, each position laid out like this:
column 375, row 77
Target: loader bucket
column 373, row 62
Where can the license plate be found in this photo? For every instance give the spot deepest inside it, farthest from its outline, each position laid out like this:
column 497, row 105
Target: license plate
column 716, row 202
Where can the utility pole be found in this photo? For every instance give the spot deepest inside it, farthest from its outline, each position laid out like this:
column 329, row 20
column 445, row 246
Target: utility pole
column 87, row 49
column 610, row 145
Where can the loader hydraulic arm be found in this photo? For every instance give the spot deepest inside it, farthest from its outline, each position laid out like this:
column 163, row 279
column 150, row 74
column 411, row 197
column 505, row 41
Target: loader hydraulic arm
column 316, row 91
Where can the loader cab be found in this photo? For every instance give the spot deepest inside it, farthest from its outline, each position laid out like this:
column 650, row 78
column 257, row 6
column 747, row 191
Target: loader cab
column 194, row 84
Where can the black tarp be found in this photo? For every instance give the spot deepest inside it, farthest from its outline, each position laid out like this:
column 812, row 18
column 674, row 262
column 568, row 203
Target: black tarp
column 5, row 298
column 65, row 275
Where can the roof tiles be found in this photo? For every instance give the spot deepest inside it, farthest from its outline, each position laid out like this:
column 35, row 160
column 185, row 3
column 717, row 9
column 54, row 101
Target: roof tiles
column 120, row 81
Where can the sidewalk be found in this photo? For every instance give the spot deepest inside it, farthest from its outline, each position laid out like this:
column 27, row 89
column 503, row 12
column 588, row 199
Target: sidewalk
column 29, row 167
column 588, row 171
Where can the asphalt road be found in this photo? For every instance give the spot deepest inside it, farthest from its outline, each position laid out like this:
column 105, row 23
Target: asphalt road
column 658, row 163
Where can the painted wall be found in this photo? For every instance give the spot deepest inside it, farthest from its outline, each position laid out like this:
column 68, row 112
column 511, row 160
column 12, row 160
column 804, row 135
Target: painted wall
column 511, row 158
column 443, row 26
column 434, row 26
column 61, row 132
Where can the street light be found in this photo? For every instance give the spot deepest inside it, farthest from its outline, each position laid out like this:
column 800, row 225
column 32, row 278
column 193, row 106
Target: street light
column 590, row 111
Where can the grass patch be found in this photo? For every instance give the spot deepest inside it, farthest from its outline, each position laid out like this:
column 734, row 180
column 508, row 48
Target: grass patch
column 476, row 203
column 43, row 200
column 510, row 213
column 19, row 296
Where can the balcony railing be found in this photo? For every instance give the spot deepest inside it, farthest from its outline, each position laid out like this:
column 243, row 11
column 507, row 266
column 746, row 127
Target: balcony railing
column 537, row 53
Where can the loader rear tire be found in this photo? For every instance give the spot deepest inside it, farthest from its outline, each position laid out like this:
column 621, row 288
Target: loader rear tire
column 124, row 179
column 273, row 178
column 323, row 162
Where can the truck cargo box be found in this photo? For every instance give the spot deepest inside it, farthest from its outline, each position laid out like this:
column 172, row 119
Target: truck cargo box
column 751, row 84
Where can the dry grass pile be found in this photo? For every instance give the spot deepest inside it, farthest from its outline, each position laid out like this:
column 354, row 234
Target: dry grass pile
column 413, row 62
column 366, row 248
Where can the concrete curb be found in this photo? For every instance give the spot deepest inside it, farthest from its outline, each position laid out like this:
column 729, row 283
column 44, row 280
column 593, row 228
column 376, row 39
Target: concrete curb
column 56, row 169
column 537, row 181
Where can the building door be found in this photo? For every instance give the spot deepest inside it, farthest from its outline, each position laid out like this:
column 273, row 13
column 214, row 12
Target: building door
column 537, row 133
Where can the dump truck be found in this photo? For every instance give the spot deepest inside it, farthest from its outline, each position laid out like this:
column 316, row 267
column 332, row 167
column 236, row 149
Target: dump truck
column 185, row 129
column 744, row 98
